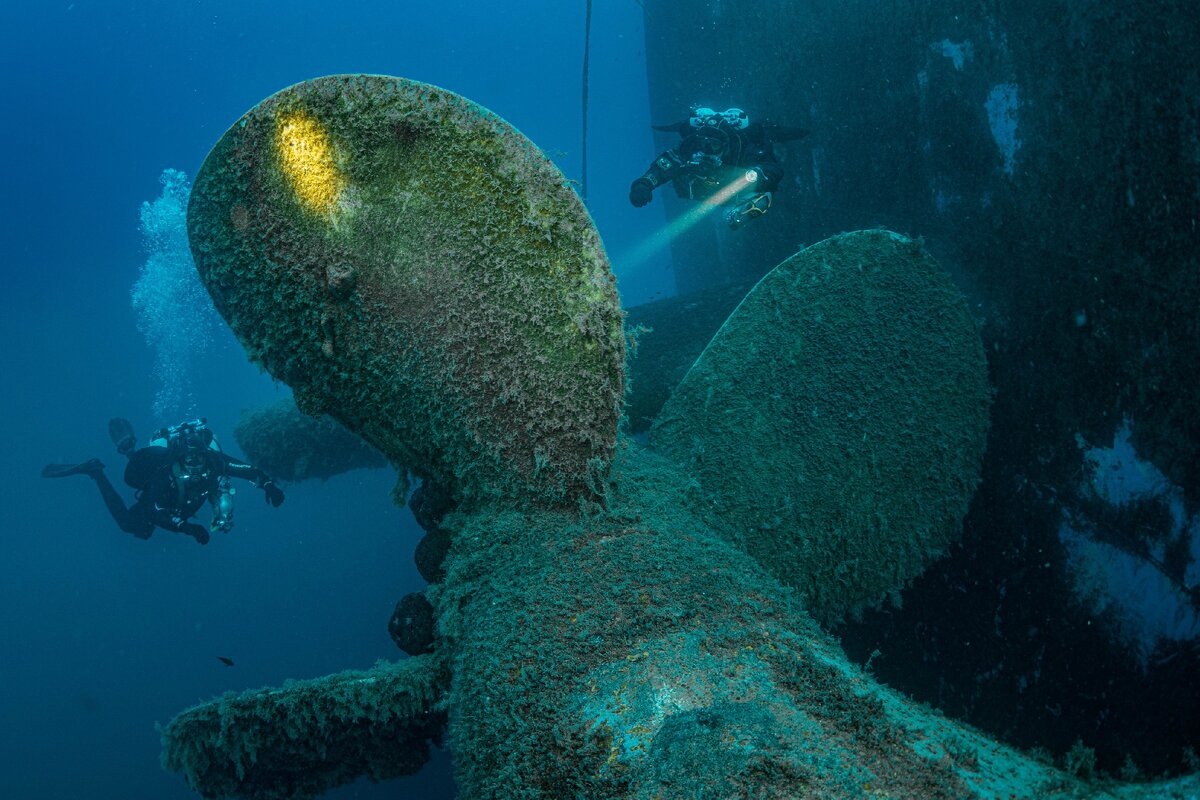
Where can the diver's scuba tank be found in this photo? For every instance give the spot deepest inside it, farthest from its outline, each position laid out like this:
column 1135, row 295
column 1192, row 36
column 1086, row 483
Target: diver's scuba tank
column 222, row 519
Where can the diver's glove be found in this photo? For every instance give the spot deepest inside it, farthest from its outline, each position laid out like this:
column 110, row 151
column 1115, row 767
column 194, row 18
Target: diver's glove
column 274, row 494
column 195, row 531
column 641, row 192
column 764, row 177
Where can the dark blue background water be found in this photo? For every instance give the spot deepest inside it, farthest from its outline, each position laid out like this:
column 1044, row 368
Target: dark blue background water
column 104, row 635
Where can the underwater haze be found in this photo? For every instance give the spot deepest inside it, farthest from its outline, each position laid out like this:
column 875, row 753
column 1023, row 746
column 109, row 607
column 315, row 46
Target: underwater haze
column 106, row 635
column 938, row 387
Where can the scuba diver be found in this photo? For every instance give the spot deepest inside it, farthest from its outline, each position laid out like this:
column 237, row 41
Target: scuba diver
column 722, row 157
column 181, row 469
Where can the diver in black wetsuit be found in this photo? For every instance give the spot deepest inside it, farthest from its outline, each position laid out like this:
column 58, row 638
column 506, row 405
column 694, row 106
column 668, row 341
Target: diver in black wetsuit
column 181, row 469
column 721, row 157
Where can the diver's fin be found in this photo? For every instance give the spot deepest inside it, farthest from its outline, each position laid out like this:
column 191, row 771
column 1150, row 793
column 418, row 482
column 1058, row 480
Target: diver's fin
column 92, row 466
column 120, row 430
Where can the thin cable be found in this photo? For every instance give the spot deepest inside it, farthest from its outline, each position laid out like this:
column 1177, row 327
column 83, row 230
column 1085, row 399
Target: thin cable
column 587, row 41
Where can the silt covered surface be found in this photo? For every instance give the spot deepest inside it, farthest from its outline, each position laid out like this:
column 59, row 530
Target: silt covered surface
column 838, row 419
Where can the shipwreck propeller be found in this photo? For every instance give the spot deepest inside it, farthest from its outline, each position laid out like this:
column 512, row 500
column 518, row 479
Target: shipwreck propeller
column 412, row 265
column 837, row 420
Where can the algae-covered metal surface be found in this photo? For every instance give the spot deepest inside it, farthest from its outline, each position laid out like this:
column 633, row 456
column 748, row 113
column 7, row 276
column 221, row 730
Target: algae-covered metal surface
column 310, row 736
column 644, row 647
column 837, row 421
column 650, row 658
column 294, row 446
column 670, row 334
column 413, row 266
column 632, row 654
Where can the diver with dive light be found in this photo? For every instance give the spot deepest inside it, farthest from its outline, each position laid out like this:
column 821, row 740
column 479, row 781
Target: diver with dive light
column 181, row 469
column 722, row 158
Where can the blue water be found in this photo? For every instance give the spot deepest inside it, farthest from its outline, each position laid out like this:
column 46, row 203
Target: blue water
column 104, row 635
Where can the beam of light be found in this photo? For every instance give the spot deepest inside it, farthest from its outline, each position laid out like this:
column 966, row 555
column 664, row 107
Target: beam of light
column 306, row 155
column 663, row 237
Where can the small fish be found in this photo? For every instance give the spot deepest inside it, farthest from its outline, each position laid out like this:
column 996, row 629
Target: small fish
column 226, row 661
